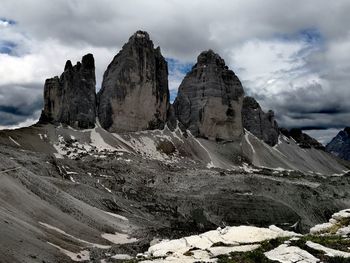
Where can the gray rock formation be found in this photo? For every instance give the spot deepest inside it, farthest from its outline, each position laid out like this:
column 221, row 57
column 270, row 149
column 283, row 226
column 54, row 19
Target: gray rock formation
column 340, row 144
column 135, row 94
column 210, row 98
column 71, row 98
column 259, row 123
column 303, row 140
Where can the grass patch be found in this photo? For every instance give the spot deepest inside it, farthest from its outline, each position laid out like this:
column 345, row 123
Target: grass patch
column 334, row 242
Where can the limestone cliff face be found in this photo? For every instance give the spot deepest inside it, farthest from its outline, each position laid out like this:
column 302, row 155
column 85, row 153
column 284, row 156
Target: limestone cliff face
column 210, row 98
column 134, row 95
column 71, row 98
column 259, row 123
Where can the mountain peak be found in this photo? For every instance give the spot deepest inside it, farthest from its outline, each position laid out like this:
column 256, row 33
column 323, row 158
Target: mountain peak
column 210, row 98
column 210, row 57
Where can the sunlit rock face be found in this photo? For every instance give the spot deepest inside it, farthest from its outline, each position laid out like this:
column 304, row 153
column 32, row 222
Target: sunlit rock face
column 71, row 98
column 134, row 95
column 210, row 99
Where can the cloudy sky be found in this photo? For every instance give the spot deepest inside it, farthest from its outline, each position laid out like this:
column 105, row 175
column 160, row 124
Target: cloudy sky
column 293, row 56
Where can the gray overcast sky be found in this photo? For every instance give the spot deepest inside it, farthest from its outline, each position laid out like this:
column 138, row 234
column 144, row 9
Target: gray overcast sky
column 293, row 56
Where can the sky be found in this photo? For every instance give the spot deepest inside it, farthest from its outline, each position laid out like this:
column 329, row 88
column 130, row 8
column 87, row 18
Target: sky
column 293, row 56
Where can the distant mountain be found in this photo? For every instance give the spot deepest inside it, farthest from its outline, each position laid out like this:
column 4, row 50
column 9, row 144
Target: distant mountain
column 340, row 144
column 302, row 139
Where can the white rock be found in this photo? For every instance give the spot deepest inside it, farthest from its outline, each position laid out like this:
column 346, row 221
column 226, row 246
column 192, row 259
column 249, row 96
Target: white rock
column 290, row 254
column 329, row 251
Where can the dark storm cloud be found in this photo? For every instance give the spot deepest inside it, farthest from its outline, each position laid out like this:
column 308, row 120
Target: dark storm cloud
column 19, row 103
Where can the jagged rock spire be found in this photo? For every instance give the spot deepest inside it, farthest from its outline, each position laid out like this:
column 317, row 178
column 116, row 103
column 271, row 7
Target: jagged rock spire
column 71, row 99
column 210, row 99
column 135, row 94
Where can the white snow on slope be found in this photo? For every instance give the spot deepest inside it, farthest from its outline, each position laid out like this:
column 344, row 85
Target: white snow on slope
column 117, row 216
column 83, row 255
column 11, row 139
column 73, row 237
column 119, row 238
column 99, row 143
column 246, row 136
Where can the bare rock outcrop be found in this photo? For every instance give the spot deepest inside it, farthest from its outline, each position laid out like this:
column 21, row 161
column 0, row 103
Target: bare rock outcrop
column 340, row 144
column 71, row 98
column 262, row 125
column 210, row 98
column 134, row 95
column 302, row 139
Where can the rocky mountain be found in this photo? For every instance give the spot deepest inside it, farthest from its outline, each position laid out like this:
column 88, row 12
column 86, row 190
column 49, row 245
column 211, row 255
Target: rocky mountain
column 262, row 125
column 71, row 98
column 219, row 167
column 303, row 140
column 135, row 94
column 340, row 144
column 210, row 99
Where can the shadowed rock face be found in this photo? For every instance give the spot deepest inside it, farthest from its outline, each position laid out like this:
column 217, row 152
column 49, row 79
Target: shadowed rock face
column 259, row 123
column 340, row 144
column 302, row 139
column 71, row 98
column 135, row 94
column 209, row 101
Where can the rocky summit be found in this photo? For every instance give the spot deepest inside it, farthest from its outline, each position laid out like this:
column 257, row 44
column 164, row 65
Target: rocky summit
column 262, row 125
column 303, row 140
column 210, row 99
column 71, row 98
column 340, row 144
column 135, row 94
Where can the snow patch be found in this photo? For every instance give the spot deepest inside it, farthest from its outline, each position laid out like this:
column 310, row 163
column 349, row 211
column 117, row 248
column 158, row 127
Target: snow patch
column 119, row 238
column 116, row 216
column 15, row 142
column 83, row 255
column 73, row 237
column 246, row 136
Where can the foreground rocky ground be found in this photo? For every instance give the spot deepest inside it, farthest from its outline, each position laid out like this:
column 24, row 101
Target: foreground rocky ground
column 92, row 196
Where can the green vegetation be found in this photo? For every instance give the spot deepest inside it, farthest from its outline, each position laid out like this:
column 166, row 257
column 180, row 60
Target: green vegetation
column 254, row 256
